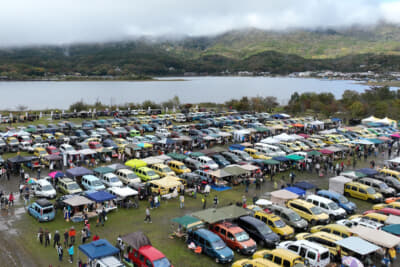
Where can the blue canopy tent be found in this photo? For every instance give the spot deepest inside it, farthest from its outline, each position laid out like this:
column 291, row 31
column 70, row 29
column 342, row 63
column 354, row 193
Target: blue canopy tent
column 278, row 116
column 368, row 171
column 281, row 159
column 78, row 171
column 336, row 119
column 304, row 185
column 100, row 196
column 392, row 229
column 236, row 147
column 296, row 190
column 98, row 249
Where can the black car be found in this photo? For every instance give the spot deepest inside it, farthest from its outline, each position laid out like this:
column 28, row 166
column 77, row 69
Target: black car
column 232, row 158
column 59, row 203
column 259, row 231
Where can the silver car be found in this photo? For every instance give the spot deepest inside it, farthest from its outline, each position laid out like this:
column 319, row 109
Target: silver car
column 290, row 217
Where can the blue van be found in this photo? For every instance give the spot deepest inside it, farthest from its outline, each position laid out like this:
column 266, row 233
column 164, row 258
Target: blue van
column 212, row 245
column 341, row 200
column 42, row 210
column 91, row 182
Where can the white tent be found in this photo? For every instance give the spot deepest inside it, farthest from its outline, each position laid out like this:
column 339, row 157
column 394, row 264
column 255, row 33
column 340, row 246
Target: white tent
column 387, row 121
column 395, row 160
column 284, row 137
column 281, row 196
column 296, row 137
column 369, row 120
column 270, row 140
column 240, row 134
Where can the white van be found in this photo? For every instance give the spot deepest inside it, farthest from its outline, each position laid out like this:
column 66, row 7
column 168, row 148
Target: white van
column 328, row 206
column 111, row 180
column 127, row 176
column 271, row 151
column 315, row 254
column 43, row 188
column 109, row 261
column 162, row 132
column 206, row 161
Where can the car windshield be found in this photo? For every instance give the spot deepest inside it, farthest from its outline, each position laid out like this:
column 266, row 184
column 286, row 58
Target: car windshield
column 151, row 173
column 242, row 236
column 333, row 206
column 294, row 217
column 383, row 186
column 219, row 244
column 182, row 167
column 166, row 169
column 47, row 188
column 132, row 176
column 316, row 210
column 343, row 200
column 114, row 179
column 265, row 230
column 279, row 224
column 370, row 190
column 97, row 183
column 73, row 186
column 163, row 262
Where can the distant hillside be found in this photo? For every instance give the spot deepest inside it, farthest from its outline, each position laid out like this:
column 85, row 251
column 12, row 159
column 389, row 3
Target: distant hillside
column 348, row 49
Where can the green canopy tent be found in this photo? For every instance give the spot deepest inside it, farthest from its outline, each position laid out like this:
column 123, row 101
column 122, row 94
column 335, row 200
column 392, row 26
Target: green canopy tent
column 102, row 170
column 353, row 174
column 294, row 157
column 177, row 156
column 235, row 170
column 221, row 214
column 261, row 129
column 270, row 162
column 196, row 154
column 188, row 222
column 314, row 153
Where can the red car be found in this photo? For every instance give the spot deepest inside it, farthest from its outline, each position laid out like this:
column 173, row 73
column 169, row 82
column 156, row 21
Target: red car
column 95, row 145
column 52, row 150
column 148, row 256
column 385, row 211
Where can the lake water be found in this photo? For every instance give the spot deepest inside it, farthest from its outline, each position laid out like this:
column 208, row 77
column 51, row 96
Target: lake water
column 41, row 95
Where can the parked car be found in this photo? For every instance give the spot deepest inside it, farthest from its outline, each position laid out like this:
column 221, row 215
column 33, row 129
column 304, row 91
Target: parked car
column 290, row 217
column 341, row 200
column 42, row 210
column 259, row 231
column 313, row 254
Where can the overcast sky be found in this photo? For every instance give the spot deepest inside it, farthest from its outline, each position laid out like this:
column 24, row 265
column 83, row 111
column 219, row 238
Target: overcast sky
column 30, row 22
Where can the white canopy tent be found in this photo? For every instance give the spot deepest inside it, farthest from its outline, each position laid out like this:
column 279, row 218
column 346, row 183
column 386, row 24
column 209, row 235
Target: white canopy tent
column 270, row 140
column 369, row 120
column 284, row 137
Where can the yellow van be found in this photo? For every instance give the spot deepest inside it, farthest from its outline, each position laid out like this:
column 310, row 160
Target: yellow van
column 276, row 224
column 279, row 256
column 333, row 228
column 393, row 205
column 40, row 152
column 308, row 211
column 254, row 263
column 164, row 186
column 178, row 167
column 325, row 239
column 291, row 146
column 59, row 135
column 318, row 142
column 362, row 191
column 162, row 170
column 255, row 154
column 389, row 172
column 376, row 217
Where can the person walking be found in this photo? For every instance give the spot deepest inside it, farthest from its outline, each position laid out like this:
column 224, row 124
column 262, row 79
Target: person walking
column 46, row 238
column 292, row 176
column 72, row 234
column 71, row 253
column 215, row 201
column 40, row 235
column 60, row 252
column 182, row 201
column 156, row 201
column 147, row 218
column 11, row 199
column 56, row 239
column 66, row 237
column 204, row 201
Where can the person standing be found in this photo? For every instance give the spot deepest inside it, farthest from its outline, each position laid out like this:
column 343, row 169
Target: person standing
column 103, row 215
column 204, row 201
column 40, row 235
column 60, row 252
column 156, row 201
column 72, row 234
column 56, row 239
column 182, row 201
column 215, row 201
column 46, row 238
column 147, row 218
column 11, row 199
column 66, row 237
column 71, row 253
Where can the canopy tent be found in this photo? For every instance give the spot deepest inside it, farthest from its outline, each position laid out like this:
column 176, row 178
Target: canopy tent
column 166, row 141
column 53, row 157
column 135, row 163
column 78, row 171
column 123, row 192
column 239, row 135
column 295, row 157
column 368, row 171
column 87, row 152
column 396, row 135
column 196, row 154
column 284, row 137
column 77, row 200
column 326, row 151
column 392, row 219
column 263, row 202
column 270, row 140
column 117, row 166
column 304, row 185
column 337, row 148
column 249, row 167
column 395, row 160
column 104, row 150
column 177, row 156
column 357, row 245
column 387, row 121
column 56, row 174
column 313, row 153
column 187, row 221
column 163, row 157
column 281, row 159
column 362, row 142
column 98, row 249
column 20, row 159
column 209, row 138
column 235, row 170
column 270, row 162
column 375, row 141
column 296, row 190
column 136, row 240
column 224, row 134
column 102, row 170
column 262, row 129
column 100, row 196
column 220, row 173
column 221, row 214
column 353, row 174
column 369, row 119
column 378, row 237
column 281, row 196
column 393, row 229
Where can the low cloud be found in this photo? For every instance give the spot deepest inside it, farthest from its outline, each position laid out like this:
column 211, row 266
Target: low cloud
column 26, row 22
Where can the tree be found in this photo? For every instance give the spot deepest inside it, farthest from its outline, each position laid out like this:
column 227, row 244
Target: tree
column 271, row 102
column 357, row 109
